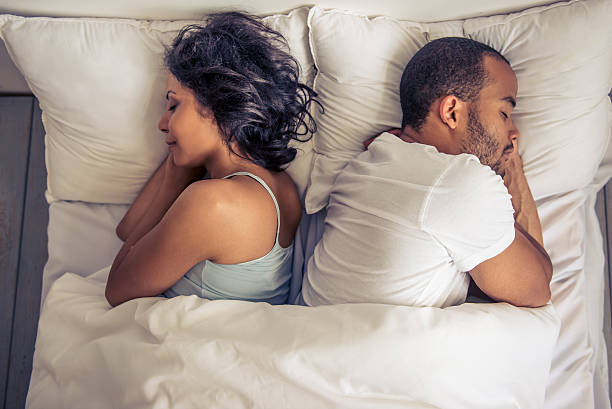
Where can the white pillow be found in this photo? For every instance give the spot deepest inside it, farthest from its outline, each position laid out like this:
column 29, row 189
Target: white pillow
column 100, row 85
column 360, row 63
column 561, row 55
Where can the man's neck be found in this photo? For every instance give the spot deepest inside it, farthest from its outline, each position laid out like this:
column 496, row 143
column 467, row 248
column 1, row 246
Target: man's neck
column 410, row 135
column 430, row 136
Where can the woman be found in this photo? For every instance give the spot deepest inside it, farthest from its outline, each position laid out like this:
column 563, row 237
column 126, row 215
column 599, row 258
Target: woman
column 233, row 103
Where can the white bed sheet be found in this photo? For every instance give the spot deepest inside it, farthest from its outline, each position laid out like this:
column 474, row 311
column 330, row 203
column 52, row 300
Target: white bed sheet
column 82, row 240
column 187, row 352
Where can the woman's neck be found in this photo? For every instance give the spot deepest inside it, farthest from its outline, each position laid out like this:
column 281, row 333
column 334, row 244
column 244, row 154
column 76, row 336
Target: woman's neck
column 226, row 163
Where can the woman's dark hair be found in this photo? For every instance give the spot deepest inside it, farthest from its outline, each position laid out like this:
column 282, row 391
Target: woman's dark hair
column 446, row 66
column 239, row 69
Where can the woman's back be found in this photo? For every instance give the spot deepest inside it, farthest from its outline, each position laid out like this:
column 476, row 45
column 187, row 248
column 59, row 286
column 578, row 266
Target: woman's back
column 265, row 278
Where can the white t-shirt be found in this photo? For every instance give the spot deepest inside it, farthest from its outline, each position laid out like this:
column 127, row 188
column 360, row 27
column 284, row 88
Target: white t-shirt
column 405, row 224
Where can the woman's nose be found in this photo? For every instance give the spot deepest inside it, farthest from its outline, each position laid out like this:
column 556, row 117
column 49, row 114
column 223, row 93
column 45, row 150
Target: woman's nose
column 163, row 123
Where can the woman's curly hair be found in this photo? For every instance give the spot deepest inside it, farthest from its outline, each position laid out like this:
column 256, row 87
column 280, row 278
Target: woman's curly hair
column 238, row 68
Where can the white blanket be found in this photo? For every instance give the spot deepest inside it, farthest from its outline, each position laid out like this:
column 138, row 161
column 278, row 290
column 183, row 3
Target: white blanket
column 189, row 352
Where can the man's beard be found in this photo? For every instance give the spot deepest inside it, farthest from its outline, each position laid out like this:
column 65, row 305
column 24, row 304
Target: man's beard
column 482, row 144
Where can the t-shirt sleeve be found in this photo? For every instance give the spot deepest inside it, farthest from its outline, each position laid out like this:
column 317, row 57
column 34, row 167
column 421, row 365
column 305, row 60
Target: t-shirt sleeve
column 469, row 212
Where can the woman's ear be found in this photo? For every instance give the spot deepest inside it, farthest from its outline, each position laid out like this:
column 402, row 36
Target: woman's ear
column 452, row 111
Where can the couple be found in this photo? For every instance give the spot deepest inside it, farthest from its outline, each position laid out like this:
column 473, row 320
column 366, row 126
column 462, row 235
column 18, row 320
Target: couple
column 427, row 204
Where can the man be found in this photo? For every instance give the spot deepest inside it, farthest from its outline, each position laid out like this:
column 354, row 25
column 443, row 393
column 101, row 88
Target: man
column 411, row 218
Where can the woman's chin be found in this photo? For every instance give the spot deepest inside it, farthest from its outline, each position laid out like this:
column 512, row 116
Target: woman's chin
column 180, row 162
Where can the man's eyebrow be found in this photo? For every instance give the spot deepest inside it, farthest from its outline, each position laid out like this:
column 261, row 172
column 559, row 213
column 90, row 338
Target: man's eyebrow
column 168, row 93
column 510, row 100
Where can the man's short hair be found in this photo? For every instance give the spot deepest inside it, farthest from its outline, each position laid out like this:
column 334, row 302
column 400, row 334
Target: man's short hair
column 446, row 66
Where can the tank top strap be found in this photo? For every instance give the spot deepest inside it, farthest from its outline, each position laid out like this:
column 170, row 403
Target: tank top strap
column 265, row 185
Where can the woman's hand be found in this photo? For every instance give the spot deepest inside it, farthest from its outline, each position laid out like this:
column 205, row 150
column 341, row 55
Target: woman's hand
column 181, row 176
column 157, row 196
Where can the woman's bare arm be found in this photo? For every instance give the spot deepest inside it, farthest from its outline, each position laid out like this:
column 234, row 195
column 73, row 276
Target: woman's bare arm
column 148, row 265
column 141, row 204
column 153, row 201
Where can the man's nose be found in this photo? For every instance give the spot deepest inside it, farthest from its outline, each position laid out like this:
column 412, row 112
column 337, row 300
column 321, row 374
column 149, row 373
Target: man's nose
column 514, row 133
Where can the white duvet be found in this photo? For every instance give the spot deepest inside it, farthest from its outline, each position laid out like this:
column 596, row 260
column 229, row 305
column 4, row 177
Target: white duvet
column 189, row 352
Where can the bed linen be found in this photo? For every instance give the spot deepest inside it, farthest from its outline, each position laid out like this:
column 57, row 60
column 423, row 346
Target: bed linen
column 88, row 230
column 81, row 238
column 188, row 352
column 578, row 377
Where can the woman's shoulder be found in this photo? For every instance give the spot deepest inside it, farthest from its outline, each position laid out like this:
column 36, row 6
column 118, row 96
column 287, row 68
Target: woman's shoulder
column 236, row 198
column 242, row 190
column 214, row 195
column 241, row 214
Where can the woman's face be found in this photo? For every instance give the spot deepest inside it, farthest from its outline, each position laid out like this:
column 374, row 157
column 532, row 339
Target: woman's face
column 191, row 132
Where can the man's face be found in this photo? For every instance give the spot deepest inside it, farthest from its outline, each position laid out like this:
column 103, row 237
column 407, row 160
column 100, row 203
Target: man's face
column 490, row 132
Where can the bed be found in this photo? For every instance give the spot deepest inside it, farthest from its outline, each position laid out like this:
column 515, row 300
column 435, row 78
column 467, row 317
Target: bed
column 99, row 82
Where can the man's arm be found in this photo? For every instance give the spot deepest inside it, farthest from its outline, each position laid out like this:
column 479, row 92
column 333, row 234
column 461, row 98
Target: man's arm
column 521, row 274
column 525, row 211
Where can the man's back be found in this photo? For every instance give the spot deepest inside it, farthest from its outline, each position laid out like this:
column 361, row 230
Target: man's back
column 404, row 225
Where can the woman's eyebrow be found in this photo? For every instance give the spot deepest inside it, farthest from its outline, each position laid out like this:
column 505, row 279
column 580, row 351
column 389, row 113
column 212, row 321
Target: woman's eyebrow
column 168, row 93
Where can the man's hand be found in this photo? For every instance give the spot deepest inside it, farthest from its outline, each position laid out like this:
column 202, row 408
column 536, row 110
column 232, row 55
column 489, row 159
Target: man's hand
column 514, row 178
column 525, row 211
column 520, row 274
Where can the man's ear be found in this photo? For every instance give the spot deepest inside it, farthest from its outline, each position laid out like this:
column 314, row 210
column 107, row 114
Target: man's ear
column 452, row 110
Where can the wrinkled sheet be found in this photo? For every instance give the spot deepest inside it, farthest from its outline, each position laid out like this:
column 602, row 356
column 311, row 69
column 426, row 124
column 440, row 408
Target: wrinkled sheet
column 188, row 352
